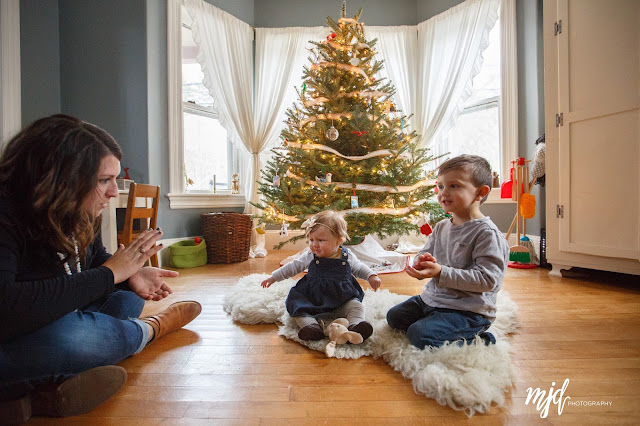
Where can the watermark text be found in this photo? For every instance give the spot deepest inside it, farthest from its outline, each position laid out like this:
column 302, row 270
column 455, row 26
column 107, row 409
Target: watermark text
column 544, row 400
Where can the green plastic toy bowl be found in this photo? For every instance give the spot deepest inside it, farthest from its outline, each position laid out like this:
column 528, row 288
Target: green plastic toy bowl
column 186, row 254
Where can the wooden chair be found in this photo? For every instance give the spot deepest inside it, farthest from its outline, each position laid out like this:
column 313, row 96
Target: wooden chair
column 133, row 211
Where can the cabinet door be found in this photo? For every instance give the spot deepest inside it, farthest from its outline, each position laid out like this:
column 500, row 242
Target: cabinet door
column 598, row 141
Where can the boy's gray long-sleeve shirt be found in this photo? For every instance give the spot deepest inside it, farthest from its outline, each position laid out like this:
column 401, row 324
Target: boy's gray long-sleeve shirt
column 474, row 259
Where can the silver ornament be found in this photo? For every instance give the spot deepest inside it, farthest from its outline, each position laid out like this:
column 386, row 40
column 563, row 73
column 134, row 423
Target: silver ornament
column 354, row 61
column 332, row 133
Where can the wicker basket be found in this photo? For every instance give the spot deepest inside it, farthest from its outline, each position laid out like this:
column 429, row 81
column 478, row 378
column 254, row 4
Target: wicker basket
column 228, row 236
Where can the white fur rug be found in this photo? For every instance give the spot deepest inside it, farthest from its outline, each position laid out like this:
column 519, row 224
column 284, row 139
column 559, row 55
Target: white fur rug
column 469, row 378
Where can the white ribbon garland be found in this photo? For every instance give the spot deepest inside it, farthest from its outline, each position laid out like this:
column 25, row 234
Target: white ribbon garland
column 365, row 210
column 366, row 186
column 338, row 116
column 345, row 67
column 314, row 101
column 329, row 116
column 379, row 210
column 311, row 146
column 339, row 46
column 348, row 21
column 322, row 99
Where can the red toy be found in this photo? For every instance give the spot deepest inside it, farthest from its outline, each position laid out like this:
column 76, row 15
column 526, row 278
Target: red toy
column 507, row 186
column 426, row 229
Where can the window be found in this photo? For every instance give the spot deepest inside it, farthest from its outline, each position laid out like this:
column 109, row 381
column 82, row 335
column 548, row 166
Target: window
column 200, row 152
column 207, row 151
column 490, row 116
column 477, row 129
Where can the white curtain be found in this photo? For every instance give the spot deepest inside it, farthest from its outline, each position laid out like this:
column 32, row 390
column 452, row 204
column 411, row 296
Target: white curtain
column 509, row 83
column 225, row 55
column 450, row 49
column 398, row 47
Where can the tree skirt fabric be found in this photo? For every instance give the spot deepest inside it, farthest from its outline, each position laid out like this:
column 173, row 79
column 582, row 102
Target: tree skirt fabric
column 372, row 254
column 469, row 378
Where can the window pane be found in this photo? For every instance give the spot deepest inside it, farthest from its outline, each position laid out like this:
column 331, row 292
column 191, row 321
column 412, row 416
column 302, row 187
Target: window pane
column 477, row 132
column 192, row 88
column 205, row 152
column 477, row 129
column 486, row 84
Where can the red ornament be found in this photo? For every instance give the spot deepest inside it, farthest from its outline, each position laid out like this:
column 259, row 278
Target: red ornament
column 426, row 229
column 197, row 240
column 435, row 188
column 359, row 133
column 331, row 36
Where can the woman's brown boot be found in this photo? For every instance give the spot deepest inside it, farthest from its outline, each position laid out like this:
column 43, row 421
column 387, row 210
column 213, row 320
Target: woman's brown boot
column 173, row 318
column 71, row 397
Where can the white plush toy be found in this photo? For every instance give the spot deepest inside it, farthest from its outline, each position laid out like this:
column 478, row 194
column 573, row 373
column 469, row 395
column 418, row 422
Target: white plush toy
column 339, row 335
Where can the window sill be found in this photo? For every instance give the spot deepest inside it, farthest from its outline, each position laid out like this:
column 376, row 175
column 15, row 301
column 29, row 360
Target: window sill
column 205, row 200
column 494, row 198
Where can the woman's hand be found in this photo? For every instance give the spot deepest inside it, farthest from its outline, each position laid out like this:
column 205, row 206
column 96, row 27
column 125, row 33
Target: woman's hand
column 126, row 261
column 149, row 283
column 374, row 282
column 266, row 283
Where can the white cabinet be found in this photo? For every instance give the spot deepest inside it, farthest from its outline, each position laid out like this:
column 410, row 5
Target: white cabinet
column 592, row 120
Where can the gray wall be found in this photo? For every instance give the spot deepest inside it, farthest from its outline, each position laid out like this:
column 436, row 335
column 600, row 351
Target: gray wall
column 531, row 93
column 429, row 8
column 103, row 66
column 305, row 13
column 105, row 62
column 39, row 59
column 241, row 9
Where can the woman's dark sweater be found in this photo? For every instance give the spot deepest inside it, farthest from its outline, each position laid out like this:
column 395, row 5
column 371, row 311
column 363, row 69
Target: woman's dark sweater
column 34, row 287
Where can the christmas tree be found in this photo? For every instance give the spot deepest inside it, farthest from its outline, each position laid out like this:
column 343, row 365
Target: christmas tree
column 346, row 147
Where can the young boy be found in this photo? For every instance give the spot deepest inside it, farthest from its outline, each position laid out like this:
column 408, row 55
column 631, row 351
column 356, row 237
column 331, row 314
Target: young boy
column 466, row 258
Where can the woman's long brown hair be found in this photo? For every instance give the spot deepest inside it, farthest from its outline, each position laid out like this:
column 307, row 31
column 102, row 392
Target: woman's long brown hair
column 48, row 170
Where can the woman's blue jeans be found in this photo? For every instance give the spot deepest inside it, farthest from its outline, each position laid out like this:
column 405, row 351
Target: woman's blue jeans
column 428, row 326
column 103, row 333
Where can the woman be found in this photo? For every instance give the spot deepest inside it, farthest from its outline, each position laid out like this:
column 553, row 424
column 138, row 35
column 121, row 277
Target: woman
column 69, row 310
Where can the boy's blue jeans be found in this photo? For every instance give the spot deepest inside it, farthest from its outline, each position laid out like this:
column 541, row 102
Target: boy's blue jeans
column 428, row 326
column 103, row 333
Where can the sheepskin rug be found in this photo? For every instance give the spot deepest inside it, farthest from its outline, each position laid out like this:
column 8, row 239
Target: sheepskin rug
column 469, row 378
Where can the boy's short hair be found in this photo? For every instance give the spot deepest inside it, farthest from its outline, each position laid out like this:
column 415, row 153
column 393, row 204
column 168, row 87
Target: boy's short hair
column 478, row 168
column 329, row 219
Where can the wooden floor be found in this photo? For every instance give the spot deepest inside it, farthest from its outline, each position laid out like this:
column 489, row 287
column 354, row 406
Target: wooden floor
column 585, row 329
